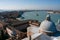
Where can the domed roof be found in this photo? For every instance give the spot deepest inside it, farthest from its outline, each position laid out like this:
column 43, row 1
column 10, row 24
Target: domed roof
column 47, row 25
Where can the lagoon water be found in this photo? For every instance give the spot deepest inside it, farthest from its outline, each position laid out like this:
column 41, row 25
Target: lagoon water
column 40, row 16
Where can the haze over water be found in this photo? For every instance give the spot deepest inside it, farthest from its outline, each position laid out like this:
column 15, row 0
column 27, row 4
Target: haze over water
column 41, row 16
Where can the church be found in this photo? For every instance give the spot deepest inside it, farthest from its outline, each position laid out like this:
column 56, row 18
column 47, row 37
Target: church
column 46, row 31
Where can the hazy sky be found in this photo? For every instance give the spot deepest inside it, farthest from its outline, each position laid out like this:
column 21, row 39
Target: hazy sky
column 29, row 4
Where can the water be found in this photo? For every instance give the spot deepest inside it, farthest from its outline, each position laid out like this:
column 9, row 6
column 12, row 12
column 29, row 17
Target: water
column 40, row 16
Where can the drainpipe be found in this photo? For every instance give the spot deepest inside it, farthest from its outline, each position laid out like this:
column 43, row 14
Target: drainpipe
column 29, row 33
column 30, row 37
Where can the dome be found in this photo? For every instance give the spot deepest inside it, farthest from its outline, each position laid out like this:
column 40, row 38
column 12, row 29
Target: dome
column 47, row 25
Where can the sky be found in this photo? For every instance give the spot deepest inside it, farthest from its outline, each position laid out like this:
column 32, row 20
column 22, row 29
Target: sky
column 30, row 4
